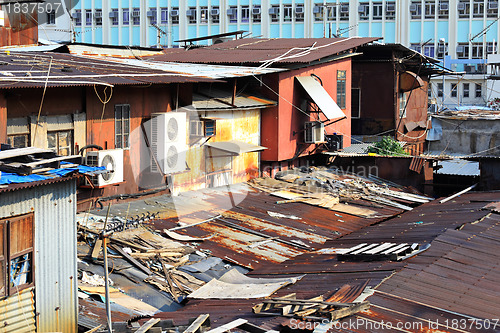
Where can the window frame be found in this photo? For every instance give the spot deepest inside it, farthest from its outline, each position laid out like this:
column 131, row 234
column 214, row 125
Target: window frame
column 245, row 13
column 136, row 20
column 215, row 19
column 51, row 17
column 275, row 18
column 7, row 256
column 233, row 18
column 153, row 19
column 164, row 15
column 122, row 139
column 454, row 90
column 377, row 11
column 98, row 19
column 466, row 90
column 125, row 16
column 390, row 15
column 89, row 16
column 287, row 13
column 430, row 9
column 417, row 14
column 478, row 90
column 341, row 89
column 204, row 15
column 58, row 148
column 440, row 87
column 78, row 17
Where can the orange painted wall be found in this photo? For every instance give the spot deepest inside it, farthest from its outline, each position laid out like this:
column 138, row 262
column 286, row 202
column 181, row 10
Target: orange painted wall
column 19, row 29
column 280, row 123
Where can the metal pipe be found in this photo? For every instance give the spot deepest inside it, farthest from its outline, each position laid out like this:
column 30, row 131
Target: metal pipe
column 106, row 273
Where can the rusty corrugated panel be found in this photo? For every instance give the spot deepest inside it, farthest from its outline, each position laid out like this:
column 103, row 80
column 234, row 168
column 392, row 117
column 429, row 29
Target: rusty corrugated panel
column 17, row 312
column 255, row 50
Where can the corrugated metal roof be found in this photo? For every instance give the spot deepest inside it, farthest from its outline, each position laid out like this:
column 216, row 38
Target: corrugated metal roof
column 217, row 99
column 458, row 167
column 256, row 51
column 29, row 69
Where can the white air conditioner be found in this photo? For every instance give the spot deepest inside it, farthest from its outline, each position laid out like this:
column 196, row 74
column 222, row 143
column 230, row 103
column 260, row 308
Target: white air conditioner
column 76, row 15
column 113, row 15
column 112, row 160
column 492, row 5
column 444, row 6
column 214, row 12
column 317, row 9
column 490, row 49
column 413, row 8
column 191, row 12
column 361, row 9
column 299, row 10
column 136, row 13
column 314, row 131
column 168, row 142
column 344, row 8
column 391, row 7
column 232, row 12
column 174, row 13
column 460, row 49
column 470, row 69
column 274, row 11
column 461, row 6
column 150, row 13
column 97, row 14
column 256, row 11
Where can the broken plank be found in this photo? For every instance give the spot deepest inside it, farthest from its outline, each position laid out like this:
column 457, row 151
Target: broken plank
column 54, row 159
column 97, row 249
column 5, row 154
column 195, row 325
column 228, row 326
column 345, row 312
column 95, row 329
column 131, row 260
column 150, row 323
column 457, row 194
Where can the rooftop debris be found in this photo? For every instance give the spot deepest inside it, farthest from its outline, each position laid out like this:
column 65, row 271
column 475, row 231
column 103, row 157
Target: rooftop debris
column 383, row 251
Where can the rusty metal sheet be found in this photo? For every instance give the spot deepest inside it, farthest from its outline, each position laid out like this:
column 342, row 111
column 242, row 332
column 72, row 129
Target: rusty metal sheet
column 257, row 50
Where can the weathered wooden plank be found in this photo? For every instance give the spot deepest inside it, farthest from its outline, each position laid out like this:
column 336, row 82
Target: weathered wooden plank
column 228, row 326
column 147, row 325
column 54, row 159
column 195, row 325
column 131, row 260
column 11, row 153
column 341, row 313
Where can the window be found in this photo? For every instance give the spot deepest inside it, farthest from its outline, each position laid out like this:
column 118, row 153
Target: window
column 256, row 14
column 416, row 10
column 98, row 17
column 209, row 127
column 463, row 9
column 444, row 9
column 477, row 51
column 16, row 254
column 287, row 13
column 125, row 16
column 442, row 50
column 416, row 47
column 215, row 14
column 153, row 15
column 356, row 103
column 122, row 125
column 344, row 11
column 454, row 90
column 51, row 17
column 492, row 9
column 191, row 14
column 299, row 13
column 163, row 15
column 331, row 13
column 175, row 18
column 114, row 16
column 274, row 11
column 61, row 142
column 203, row 15
column 440, row 89
column 402, row 105
column 390, row 10
column 18, row 131
column 136, row 16
column 364, row 11
column 491, row 48
column 377, row 10
column 18, row 140
column 479, row 90
column 77, row 16
column 463, row 51
column 232, row 12
column 88, row 17
column 318, row 12
column 430, row 9
column 341, row 89
column 465, row 88
column 478, row 8
column 429, row 50
column 245, row 14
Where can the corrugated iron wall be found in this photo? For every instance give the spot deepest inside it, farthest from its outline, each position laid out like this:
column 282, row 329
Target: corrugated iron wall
column 54, row 208
column 17, row 313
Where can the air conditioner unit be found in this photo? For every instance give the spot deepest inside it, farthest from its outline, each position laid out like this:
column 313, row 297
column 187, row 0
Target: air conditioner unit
column 136, row 13
column 232, row 12
column 490, row 49
column 492, row 5
column 191, row 12
column 391, row 7
column 460, row 49
column 469, row 69
column 314, row 131
column 97, row 14
column 334, row 142
column 413, row 8
column 481, row 68
column 113, row 15
column 317, row 9
column 112, row 160
column 344, row 8
column 299, row 10
column 444, row 6
column 76, row 15
column 168, row 142
column 274, row 11
column 174, row 13
column 214, row 12
column 150, row 13
column 461, row 6
column 361, row 9
column 256, row 11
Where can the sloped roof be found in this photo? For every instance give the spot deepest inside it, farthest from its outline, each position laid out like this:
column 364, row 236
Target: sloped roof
column 285, row 51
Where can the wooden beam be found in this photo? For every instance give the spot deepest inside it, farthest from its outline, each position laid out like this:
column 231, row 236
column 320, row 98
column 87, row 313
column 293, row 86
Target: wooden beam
column 150, row 323
column 341, row 313
column 131, row 260
column 195, row 325
column 228, row 326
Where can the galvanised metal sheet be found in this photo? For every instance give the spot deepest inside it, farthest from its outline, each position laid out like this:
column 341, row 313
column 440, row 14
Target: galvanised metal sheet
column 54, row 208
column 17, row 312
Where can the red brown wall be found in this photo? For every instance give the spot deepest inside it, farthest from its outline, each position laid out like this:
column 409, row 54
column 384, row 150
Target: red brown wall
column 416, row 111
column 280, row 123
column 19, row 29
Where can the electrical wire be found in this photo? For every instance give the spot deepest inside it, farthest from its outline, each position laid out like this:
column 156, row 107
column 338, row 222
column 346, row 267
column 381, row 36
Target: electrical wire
column 41, row 103
column 104, row 102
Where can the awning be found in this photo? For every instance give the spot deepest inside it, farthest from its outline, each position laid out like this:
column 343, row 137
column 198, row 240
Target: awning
column 321, row 97
column 235, row 146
